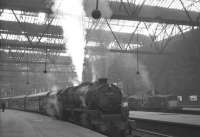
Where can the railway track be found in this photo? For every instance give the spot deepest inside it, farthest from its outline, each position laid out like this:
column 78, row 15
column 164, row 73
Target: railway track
column 147, row 133
column 151, row 128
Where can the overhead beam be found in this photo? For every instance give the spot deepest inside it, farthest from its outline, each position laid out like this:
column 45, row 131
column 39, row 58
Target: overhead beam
column 15, row 44
column 99, row 51
column 153, row 14
column 11, row 27
column 140, row 52
column 56, row 32
column 96, row 35
column 50, row 65
column 28, row 5
column 147, row 13
column 34, row 58
column 67, row 63
column 32, row 71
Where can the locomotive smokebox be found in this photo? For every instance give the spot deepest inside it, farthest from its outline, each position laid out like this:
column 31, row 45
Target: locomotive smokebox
column 102, row 80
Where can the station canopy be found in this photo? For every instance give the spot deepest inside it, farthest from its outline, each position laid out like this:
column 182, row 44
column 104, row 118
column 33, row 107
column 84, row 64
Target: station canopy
column 31, row 34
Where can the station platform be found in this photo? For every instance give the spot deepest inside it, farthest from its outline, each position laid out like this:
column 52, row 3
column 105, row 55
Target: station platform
column 186, row 119
column 15, row 123
column 170, row 124
column 191, row 109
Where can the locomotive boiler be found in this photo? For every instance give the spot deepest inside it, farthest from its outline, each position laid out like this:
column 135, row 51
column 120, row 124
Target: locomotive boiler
column 94, row 96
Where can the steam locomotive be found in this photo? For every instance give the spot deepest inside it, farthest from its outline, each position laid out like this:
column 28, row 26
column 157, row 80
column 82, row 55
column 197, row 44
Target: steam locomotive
column 97, row 106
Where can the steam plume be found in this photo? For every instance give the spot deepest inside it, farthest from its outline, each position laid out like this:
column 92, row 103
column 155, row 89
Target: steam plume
column 122, row 63
column 71, row 17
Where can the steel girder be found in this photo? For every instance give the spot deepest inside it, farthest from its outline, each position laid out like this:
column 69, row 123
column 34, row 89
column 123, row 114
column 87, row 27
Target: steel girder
column 23, row 60
column 33, row 58
column 106, row 37
column 57, row 32
column 28, row 5
column 127, row 11
column 23, row 45
column 34, row 62
column 153, row 14
column 11, row 27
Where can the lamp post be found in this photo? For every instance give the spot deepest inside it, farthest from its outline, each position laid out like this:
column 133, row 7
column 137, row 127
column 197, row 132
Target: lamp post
column 96, row 13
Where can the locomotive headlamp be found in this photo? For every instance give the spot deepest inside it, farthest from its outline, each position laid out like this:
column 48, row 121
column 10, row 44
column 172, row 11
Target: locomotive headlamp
column 125, row 104
column 96, row 14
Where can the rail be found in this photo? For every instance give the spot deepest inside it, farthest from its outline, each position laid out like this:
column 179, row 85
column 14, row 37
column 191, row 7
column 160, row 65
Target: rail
column 144, row 132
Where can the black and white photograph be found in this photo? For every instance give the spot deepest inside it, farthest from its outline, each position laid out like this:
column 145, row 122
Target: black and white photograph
column 99, row 68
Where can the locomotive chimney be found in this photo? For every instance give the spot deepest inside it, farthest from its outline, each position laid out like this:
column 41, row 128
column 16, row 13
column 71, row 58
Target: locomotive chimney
column 102, row 80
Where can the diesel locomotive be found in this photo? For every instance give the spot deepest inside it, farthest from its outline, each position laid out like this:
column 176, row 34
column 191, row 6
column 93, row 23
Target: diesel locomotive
column 97, row 106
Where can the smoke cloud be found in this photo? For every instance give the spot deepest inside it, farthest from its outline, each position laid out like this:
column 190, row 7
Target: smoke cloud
column 100, row 66
column 122, row 68
column 52, row 107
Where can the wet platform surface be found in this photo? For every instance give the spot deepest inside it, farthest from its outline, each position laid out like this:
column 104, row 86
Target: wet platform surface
column 186, row 119
column 15, row 123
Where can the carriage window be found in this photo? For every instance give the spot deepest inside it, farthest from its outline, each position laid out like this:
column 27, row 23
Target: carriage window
column 193, row 98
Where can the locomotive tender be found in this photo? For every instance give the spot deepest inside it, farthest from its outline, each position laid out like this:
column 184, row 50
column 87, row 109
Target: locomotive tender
column 97, row 106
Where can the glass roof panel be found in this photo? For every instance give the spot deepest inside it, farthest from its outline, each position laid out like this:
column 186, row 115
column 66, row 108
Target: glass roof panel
column 157, row 30
column 27, row 17
column 190, row 5
column 160, row 31
column 33, row 39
